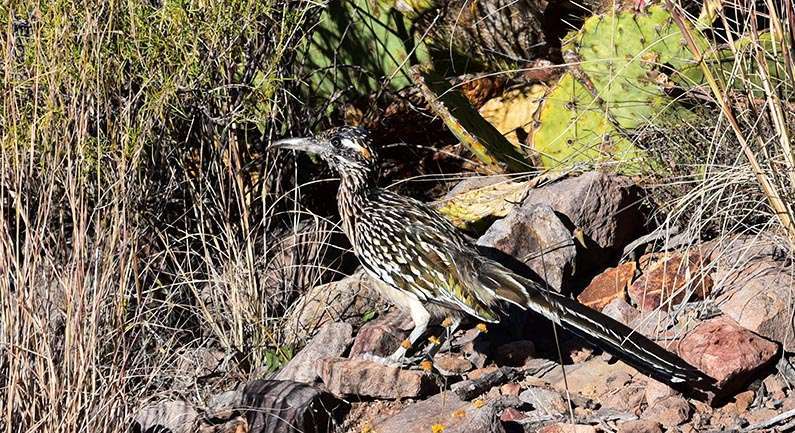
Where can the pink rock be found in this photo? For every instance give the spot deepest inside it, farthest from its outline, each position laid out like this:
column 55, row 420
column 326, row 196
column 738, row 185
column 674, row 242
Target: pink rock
column 657, row 391
column 567, row 428
column 669, row 411
column 451, row 364
column 510, row 389
column 726, row 351
column 640, row 426
column 383, row 335
column 620, row 310
column 360, row 377
column 442, row 412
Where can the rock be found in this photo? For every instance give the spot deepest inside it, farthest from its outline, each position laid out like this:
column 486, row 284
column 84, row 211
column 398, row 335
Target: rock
column 280, row 406
column 592, row 379
column 657, row 391
column 759, row 297
column 474, row 203
column 383, row 335
column 621, row 311
column 729, row 254
column 775, row 387
column 331, row 341
column 670, row 279
column 237, row 424
column 625, row 394
column 669, row 411
column 511, row 388
column 610, row 285
column 548, row 401
column 655, row 324
column 724, row 350
column 346, row 300
column 512, row 415
column 535, row 236
column 471, row 388
column 744, row 400
column 567, row 428
column 474, row 347
column 606, row 208
column 445, row 412
column 478, row 373
column 515, row 353
column 166, row 416
column 640, row 426
column 451, row 364
column 360, row 377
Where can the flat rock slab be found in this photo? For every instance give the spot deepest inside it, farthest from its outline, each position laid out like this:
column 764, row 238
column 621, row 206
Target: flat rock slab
column 282, row 406
column 174, row 416
column 726, row 351
column 608, row 286
column 669, row 279
column 444, row 412
column 330, row 341
column 365, row 378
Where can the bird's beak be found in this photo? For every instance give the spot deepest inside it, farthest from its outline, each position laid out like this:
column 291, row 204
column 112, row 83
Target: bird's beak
column 307, row 144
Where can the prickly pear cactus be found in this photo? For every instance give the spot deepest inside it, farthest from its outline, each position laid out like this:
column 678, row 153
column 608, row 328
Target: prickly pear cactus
column 623, row 54
column 574, row 128
column 623, row 61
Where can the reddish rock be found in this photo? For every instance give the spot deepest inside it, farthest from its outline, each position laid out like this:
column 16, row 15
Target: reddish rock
column 515, row 353
column 671, row 279
column 383, row 335
column 620, row 310
column 775, row 387
column 669, row 411
column 451, row 364
column 511, row 415
column 623, row 393
column 511, row 389
column 657, row 391
column 760, row 298
column 360, row 377
column 608, row 286
column 592, row 379
column 640, row 426
column 567, row 428
column 743, row 401
column 726, row 351
column 330, row 341
column 480, row 372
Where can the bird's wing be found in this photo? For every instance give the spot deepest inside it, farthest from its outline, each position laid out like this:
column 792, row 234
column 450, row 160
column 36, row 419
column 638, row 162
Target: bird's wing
column 415, row 249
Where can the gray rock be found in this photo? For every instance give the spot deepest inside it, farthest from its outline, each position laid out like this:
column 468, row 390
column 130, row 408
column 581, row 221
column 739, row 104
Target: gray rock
column 166, row 416
column 451, row 413
column 535, row 236
column 546, row 400
column 759, row 297
column 346, row 300
column 275, row 406
column 331, row 341
column 606, row 208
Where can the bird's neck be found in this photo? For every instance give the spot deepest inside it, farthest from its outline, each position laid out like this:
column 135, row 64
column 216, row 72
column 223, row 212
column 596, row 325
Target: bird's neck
column 354, row 191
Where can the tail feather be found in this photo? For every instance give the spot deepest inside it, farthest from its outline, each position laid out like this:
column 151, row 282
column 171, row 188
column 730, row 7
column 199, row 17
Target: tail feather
column 614, row 337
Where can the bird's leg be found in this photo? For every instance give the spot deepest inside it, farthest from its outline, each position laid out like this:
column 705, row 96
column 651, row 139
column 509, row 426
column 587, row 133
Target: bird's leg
column 450, row 328
column 420, row 317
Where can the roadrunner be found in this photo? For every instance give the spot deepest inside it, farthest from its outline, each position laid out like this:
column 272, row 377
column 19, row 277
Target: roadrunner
column 431, row 271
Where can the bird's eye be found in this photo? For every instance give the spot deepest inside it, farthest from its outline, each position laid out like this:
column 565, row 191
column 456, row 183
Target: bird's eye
column 336, row 142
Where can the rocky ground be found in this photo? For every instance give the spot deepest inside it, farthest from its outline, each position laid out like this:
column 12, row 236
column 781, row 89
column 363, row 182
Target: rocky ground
column 724, row 305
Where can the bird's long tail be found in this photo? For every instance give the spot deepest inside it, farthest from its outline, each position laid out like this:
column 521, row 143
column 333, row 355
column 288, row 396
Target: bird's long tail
column 614, row 337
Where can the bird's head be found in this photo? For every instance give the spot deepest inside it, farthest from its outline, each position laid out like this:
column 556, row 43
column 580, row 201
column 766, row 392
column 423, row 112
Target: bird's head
column 346, row 149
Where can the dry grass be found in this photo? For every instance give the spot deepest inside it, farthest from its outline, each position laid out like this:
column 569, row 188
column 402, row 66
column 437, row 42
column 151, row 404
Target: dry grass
column 132, row 219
